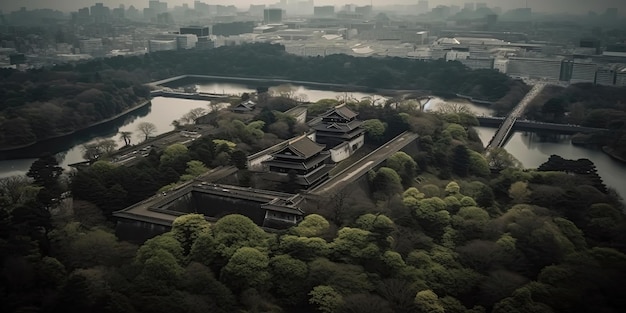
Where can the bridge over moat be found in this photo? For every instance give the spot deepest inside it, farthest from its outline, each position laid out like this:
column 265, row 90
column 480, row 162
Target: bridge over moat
column 499, row 139
column 528, row 125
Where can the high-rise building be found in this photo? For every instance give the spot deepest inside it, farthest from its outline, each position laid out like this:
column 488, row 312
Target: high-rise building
column 158, row 6
column 200, row 31
column 535, row 68
column 118, row 13
column 470, row 6
column 149, row 14
column 620, row 77
column 324, row 11
column 205, row 43
column 365, row 11
column 165, row 18
column 454, row 9
column 91, row 46
column 272, row 16
column 583, row 72
column 480, row 5
column 201, row 7
column 423, row 7
column 605, row 76
column 256, row 10
column 100, row 13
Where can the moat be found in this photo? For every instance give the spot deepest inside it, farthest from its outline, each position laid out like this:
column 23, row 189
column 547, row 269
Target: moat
column 530, row 148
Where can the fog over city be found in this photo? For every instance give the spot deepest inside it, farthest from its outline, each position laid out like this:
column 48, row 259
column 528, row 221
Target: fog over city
column 551, row 6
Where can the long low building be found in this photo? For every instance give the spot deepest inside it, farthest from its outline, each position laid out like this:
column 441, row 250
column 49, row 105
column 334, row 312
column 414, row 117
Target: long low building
column 154, row 216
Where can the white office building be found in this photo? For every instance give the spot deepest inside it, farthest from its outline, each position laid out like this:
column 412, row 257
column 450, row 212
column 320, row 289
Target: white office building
column 535, row 68
column 91, row 46
column 162, row 45
column 583, row 72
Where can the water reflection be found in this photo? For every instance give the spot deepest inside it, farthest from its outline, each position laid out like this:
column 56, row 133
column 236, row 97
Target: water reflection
column 533, row 149
column 161, row 113
column 435, row 103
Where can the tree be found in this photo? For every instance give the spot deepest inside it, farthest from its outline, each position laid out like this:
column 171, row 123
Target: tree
column 404, row 165
column 386, row 183
column 313, row 225
column 428, row 302
column 354, row 244
column 126, row 136
column 374, row 129
column 173, row 152
column 453, row 108
column 304, row 248
column 460, row 160
column 45, row 172
column 499, row 159
column 457, row 131
column 326, row 299
column 147, row 129
column 288, row 275
column 519, row 192
column 165, row 242
column 194, row 169
column 239, row 159
column 191, row 116
column 16, row 190
column 235, row 231
column 478, row 164
column 98, row 149
column 187, row 228
column 247, row 268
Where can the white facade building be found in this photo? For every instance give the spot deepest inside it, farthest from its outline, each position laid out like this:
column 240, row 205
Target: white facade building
column 162, row 45
column 535, row 68
column 583, row 72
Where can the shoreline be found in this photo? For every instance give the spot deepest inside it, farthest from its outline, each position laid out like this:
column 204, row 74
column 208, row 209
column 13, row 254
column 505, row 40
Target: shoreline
column 112, row 118
column 609, row 151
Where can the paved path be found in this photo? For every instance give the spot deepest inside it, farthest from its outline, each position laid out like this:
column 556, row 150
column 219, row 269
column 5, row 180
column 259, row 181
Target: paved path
column 368, row 162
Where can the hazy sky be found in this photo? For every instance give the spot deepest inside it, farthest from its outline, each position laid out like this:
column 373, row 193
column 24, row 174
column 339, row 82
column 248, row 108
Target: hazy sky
column 568, row 6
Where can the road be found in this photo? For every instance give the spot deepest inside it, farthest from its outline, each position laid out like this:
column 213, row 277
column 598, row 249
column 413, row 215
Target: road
column 368, row 162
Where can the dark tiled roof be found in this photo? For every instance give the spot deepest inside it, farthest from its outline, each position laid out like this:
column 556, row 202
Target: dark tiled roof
column 339, row 127
column 343, row 111
column 305, row 147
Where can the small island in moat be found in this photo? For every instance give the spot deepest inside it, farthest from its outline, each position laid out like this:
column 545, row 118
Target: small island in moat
column 42, row 104
column 587, row 105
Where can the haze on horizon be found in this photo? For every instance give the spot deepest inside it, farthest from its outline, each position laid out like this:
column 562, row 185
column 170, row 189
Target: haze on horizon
column 549, row 6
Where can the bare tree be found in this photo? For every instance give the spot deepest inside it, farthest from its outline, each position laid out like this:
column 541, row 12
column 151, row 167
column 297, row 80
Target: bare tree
column 454, row 108
column 126, row 136
column 98, row 149
column 192, row 115
column 14, row 189
column 286, row 91
column 147, row 129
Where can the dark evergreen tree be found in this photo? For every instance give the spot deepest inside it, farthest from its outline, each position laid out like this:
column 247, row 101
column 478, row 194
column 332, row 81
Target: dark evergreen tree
column 460, row 161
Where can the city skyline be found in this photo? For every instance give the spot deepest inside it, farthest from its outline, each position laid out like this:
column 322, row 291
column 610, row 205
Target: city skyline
column 548, row 6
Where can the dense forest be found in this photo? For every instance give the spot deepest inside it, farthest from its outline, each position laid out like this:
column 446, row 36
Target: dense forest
column 587, row 105
column 44, row 103
column 440, row 229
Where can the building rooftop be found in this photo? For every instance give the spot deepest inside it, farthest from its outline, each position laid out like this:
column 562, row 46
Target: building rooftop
column 341, row 110
column 303, row 147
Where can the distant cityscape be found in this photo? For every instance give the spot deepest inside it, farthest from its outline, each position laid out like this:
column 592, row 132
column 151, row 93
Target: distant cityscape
column 519, row 42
